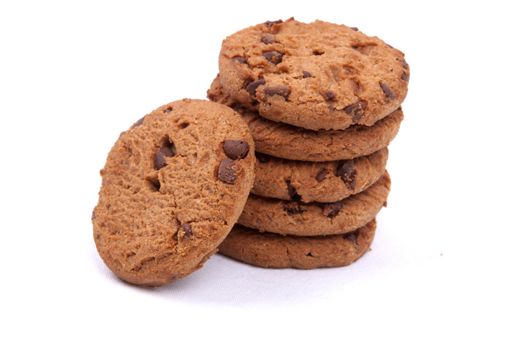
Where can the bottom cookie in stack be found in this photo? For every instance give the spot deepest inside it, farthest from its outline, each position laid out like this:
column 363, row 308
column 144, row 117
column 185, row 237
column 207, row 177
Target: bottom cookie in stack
column 271, row 250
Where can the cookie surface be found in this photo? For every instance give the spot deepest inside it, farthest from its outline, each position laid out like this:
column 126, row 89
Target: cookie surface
column 315, row 75
column 289, row 142
column 276, row 251
column 173, row 186
column 315, row 219
column 316, row 181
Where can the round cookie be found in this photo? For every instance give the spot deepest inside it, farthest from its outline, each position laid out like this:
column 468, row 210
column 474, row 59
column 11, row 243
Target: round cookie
column 315, row 219
column 315, row 75
column 289, row 142
column 316, row 181
column 173, row 186
column 276, row 251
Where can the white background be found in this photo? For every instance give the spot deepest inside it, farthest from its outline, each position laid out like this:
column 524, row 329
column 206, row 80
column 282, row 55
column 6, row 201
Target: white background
column 447, row 266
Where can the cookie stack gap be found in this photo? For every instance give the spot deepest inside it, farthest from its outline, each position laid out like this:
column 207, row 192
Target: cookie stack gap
column 322, row 102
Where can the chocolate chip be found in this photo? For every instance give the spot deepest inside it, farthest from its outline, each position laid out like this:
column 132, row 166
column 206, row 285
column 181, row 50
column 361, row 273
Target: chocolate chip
column 153, row 183
column 347, row 173
column 354, row 28
column 293, row 208
column 405, row 76
column 318, row 52
column 274, row 57
column 331, row 210
column 93, row 215
column 263, row 158
column 281, row 90
column 168, row 109
column 387, row 91
column 239, row 59
column 385, row 204
column 187, row 230
column 352, row 237
column 329, row 95
column 252, row 86
column 321, row 175
column 227, row 171
column 306, row 74
column 138, row 123
column 166, row 150
column 271, row 23
column 356, row 110
column 404, row 63
column 235, row 149
column 267, row 38
column 292, row 192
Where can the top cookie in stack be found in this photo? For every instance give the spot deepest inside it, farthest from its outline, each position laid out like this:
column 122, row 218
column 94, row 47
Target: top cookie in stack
column 318, row 76
column 322, row 102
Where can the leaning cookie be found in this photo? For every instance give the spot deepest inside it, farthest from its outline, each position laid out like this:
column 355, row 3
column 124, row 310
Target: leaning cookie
column 314, row 219
column 173, row 186
column 316, row 181
column 276, row 251
column 315, row 75
column 290, row 142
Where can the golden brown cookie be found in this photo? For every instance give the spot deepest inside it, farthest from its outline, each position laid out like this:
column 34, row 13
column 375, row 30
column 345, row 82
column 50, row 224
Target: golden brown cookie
column 172, row 188
column 316, row 181
column 276, row 251
column 289, row 142
column 315, row 219
column 315, row 75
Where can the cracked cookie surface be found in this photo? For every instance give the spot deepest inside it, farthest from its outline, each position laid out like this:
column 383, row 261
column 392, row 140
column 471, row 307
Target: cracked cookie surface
column 316, row 181
column 315, row 75
column 315, row 219
column 173, row 186
column 275, row 251
column 290, row 142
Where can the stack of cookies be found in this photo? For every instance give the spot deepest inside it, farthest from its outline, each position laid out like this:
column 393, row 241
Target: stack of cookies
column 322, row 102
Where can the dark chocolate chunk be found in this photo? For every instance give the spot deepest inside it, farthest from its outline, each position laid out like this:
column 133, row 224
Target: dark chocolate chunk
column 239, row 59
column 271, row 23
column 352, row 237
column 235, row 149
column 267, row 38
column 318, row 52
column 387, row 91
column 321, row 175
column 329, row 95
column 187, row 230
column 306, row 74
column 166, row 150
column 356, row 110
column 354, row 28
column 274, row 57
column 347, row 173
column 227, row 172
column 292, row 192
column 281, row 90
column 404, row 63
column 293, row 208
column 405, row 76
column 252, row 86
column 168, row 109
column 331, row 210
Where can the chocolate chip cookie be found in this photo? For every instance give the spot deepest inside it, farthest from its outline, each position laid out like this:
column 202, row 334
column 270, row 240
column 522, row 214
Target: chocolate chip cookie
column 289, row 142
column 315, row 75
column 316, row 181
column 315, row 219
column 173, row 186
column 277, row 251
